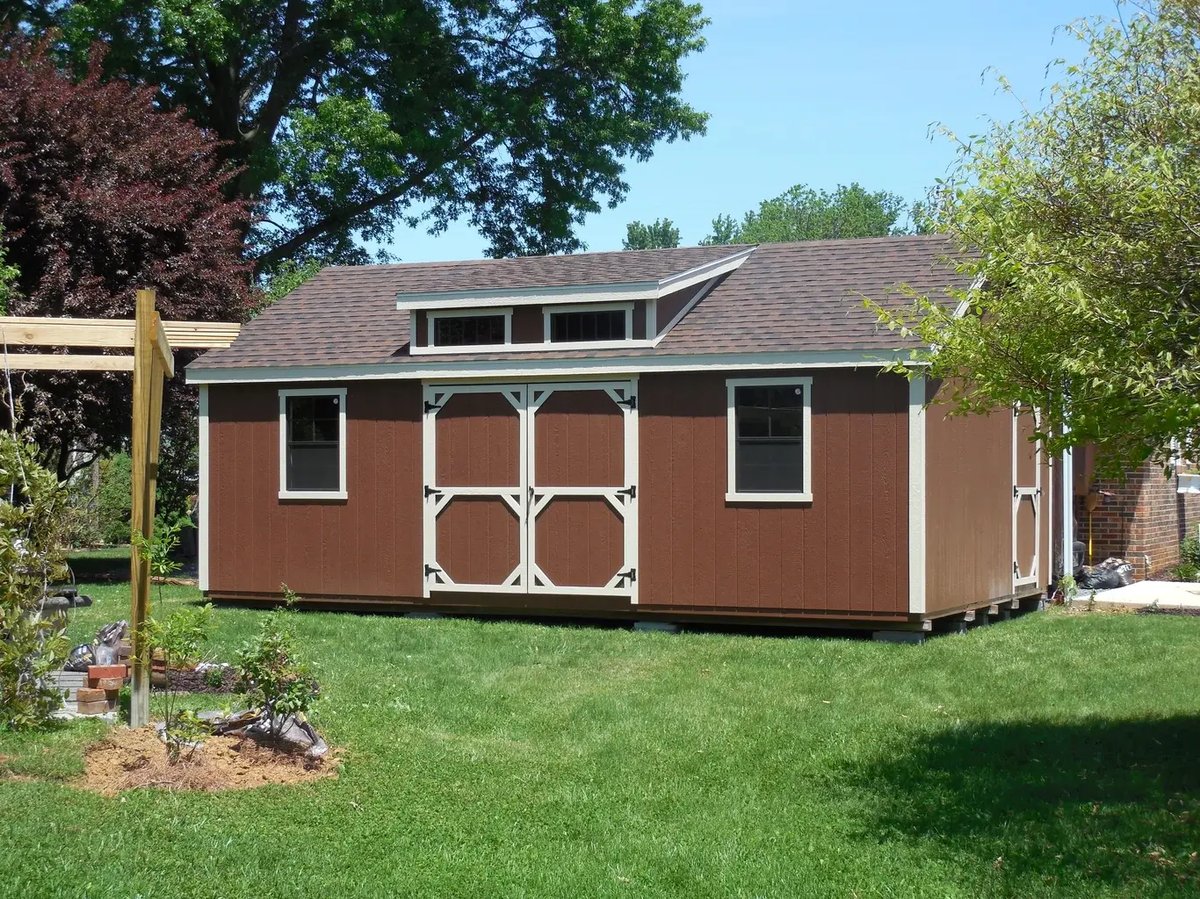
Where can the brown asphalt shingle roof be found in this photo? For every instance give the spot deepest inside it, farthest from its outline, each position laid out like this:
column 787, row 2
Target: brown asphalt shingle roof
column 786, row 297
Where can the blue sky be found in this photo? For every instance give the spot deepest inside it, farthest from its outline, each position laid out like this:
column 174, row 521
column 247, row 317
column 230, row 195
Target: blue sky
column 824, row 94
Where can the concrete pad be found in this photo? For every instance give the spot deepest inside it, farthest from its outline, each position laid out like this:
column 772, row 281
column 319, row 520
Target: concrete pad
column 1166, row 594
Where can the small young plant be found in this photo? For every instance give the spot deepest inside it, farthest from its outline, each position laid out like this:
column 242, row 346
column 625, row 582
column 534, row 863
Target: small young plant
column 270, row 673
column 1069, row 589
column 179, row 639
column 158, row 549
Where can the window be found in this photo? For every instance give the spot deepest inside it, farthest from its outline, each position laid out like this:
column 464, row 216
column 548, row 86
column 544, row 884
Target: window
column 468, row 330
column 770, row 449
column 585, row 325
column 312, row 444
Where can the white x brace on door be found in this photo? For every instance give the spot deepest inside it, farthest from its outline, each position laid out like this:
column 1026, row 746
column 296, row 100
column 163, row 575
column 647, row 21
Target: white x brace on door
column 531, row 488
column 1027, row 502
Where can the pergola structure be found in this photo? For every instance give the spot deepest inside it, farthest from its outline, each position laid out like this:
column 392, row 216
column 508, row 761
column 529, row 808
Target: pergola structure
column 153, row 342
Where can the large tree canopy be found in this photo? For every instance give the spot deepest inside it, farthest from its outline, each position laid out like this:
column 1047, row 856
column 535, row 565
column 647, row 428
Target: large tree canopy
column 802, row 213
column 100, row 194
column 1082, row 223
column 348, row 116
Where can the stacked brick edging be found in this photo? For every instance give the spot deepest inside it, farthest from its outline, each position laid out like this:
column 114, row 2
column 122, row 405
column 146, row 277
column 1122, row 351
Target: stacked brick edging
column 1143, row 520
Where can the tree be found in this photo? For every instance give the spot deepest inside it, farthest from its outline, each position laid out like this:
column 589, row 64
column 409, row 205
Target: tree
column 346, row 118
column 101, row 194
column 803, row 213
column 661, row 234
column 1079, row 220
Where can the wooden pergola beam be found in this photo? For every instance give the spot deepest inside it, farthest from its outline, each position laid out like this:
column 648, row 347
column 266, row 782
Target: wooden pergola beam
column 110, row 332
column 65, row 362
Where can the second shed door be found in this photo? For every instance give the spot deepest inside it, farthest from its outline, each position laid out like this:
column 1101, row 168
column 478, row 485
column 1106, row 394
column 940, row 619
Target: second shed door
column 531, row 488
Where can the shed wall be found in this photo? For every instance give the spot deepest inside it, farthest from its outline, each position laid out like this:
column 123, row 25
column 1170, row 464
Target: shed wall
column 844, row 555
column 368, row 545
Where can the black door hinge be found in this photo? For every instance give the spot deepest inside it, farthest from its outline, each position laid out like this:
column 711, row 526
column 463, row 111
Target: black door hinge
column 431, row 570
column 431, row 491
column 630, row 402
column 432, row 407
column 630, row 491
column 629, row 573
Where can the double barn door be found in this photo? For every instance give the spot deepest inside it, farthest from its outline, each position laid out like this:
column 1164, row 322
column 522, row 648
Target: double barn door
column 531, row 488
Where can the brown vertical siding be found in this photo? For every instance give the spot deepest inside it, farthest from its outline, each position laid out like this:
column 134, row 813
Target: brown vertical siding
column 969, row 507
column 368, row 545
column 527, row 325
column 843, row 554
column 579, row 441
column 580, row 542
column 478, row 442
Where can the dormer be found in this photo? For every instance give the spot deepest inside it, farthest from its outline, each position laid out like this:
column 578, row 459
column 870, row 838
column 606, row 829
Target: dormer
column 596, row 314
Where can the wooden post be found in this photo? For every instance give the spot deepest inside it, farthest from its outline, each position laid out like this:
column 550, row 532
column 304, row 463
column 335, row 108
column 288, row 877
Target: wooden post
column 147, row 408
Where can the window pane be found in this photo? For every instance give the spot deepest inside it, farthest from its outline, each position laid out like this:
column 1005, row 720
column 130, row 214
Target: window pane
column 313, row 466
column 568, row 327
column 313, row 429
column 770, row 466
column 468, row 330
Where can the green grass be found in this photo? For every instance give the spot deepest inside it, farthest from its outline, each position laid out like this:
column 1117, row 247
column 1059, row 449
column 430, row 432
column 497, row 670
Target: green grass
column 1055, row 755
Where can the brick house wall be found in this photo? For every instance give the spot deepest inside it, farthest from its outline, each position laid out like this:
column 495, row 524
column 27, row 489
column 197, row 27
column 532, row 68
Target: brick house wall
column 1143, row 521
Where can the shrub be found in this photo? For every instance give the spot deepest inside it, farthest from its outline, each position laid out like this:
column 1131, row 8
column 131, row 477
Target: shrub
column 180, row 639
column 112, row 501
column 1188, row 568
column 270, row 673
column 32, row 511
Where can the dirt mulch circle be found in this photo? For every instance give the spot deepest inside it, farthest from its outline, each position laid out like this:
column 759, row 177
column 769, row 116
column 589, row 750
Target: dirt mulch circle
column 132, row 759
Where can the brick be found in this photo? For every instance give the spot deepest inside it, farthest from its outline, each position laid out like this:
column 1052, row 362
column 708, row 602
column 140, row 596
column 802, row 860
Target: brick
column 106, row 683
column 91, row 694
column 92, row 708
column 95, row 671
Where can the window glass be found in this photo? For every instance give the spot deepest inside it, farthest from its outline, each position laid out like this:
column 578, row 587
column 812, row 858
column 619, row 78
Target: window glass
column 769, row 423
column 571, row 327
column 468, row 330
column 313, row 456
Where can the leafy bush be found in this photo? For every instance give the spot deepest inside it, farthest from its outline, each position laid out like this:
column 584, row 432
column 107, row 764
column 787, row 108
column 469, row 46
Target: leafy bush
column 270, row 673
column 32, row 506
column 1188, row 568
column 179, row 639
column 112, row 500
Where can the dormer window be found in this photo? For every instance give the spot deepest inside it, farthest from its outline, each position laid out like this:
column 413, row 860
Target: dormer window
column 588, row 324
column 470, row 329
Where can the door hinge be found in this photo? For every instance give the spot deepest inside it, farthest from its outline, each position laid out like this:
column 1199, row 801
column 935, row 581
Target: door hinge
column 431, row 570
column 432, row 406
column 629, row 574
column 630, row 402
column 1016, row 569
column 431, row 491
column 630, row 491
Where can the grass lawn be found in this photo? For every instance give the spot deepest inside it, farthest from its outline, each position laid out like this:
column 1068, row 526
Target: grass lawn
column 1056, row 755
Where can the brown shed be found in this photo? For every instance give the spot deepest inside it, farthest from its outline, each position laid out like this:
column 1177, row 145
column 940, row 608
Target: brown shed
column 703, row 433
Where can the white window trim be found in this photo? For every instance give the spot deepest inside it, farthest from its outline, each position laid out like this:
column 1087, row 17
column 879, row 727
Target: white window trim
column 732, row 494
column 558, row 309
column 431, row 323
column 340, row 493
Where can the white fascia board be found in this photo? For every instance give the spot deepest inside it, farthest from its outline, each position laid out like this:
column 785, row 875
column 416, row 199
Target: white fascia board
column 543, row 368
column 575, row 293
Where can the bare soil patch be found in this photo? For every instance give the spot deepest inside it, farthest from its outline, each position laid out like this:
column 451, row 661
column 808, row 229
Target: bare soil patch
column 132, row 759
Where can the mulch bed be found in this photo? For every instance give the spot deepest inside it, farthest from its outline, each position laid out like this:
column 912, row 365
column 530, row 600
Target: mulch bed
column 188, row 680
column 133, row 759
column 1151, row 610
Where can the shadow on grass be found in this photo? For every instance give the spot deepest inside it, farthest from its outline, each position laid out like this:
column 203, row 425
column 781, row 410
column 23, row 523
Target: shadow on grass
column 100, row 566
column 1034, row 807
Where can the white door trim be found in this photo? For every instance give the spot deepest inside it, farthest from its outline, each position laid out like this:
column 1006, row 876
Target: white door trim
column 1021, row 494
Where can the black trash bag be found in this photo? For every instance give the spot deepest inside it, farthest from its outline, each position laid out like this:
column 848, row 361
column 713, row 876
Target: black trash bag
column 80, row 658
column 1108, row 575
column 107, row 639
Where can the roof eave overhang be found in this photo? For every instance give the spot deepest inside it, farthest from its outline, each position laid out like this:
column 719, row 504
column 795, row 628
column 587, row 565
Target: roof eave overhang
column 578, row 293
column 505, row 369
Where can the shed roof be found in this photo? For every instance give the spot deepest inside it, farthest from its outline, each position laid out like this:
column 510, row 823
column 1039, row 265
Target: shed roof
column 789, row 297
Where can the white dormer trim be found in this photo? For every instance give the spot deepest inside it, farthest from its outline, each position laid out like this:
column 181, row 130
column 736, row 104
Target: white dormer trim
column 579, row 293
